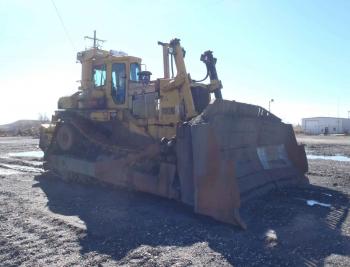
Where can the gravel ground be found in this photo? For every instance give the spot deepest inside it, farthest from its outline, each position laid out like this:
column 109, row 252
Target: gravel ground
column 46, row 221
column 326, row 145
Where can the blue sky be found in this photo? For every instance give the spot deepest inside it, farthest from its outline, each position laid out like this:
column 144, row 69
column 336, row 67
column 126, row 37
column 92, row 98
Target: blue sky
column 296, row 52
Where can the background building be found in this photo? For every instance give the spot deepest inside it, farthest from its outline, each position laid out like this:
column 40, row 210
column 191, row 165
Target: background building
column 321, row 125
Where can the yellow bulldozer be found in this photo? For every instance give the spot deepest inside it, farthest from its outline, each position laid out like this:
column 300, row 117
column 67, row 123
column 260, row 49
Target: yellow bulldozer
column 173, row 136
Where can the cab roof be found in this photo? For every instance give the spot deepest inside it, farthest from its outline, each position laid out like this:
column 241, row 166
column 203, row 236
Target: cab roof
column 99, row 54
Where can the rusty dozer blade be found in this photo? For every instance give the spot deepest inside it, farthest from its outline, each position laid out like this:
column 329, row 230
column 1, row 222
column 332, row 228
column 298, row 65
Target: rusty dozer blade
column 232, row 152
column 229, row 153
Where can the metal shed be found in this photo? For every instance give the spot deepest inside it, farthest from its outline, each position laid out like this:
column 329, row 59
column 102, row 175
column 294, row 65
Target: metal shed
column 324, row 125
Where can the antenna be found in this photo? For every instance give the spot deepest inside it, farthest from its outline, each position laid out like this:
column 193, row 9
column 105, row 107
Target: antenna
column 95, row 40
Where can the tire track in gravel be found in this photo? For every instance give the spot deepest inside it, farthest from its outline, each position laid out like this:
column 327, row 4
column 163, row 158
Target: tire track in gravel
column 30, row 234
column 35, row 236
column 21, row 167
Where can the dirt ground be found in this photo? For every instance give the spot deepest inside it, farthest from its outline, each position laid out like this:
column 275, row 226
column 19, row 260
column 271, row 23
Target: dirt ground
column 46, row 221
column 326, row 145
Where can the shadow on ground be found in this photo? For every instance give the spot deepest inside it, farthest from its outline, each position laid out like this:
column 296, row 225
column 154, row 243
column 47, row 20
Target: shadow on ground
column 119, row 221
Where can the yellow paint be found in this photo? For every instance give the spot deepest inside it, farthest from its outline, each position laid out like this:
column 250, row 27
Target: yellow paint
column 173, row 104
column 100, row 116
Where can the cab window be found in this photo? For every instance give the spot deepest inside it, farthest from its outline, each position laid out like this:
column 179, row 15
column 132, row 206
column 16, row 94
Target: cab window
column 99, row 75
column 119, row 83
column 134, row 72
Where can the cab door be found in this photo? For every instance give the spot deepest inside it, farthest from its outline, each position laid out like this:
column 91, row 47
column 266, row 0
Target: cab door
column 119, row 79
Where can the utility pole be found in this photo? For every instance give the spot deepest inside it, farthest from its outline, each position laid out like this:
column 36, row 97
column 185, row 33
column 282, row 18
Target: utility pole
column 95, row 40
column 348, row 114
column 270, row 104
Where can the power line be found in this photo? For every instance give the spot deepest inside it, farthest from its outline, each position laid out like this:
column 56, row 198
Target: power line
column 63, row 26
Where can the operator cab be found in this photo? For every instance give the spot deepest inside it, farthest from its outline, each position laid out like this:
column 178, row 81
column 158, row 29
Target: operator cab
column 110, row 79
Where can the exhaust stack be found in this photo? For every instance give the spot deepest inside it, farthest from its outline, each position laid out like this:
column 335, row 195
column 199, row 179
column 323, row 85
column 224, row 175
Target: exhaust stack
column 165, row 59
